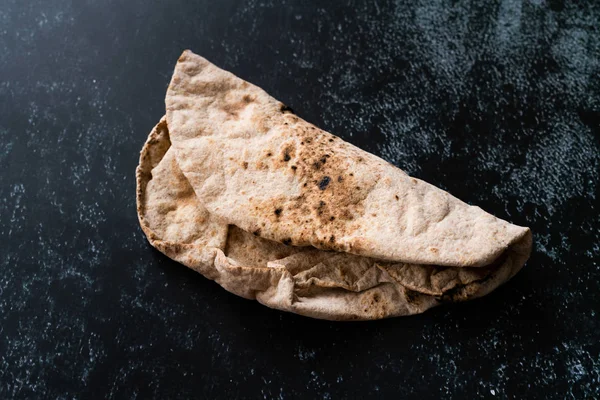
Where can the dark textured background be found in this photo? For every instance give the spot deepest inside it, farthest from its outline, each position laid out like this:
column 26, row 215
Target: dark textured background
column 498, row 104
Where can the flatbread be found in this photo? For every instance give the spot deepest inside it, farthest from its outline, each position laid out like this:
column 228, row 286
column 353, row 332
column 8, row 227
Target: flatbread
column 254, row 164
column 305, row 280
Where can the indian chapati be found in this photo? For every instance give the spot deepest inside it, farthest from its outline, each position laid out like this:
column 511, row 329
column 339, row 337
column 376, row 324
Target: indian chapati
column 235, row 186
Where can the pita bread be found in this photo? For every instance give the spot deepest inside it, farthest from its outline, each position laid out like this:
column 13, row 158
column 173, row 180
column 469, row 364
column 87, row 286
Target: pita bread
column 303, row 280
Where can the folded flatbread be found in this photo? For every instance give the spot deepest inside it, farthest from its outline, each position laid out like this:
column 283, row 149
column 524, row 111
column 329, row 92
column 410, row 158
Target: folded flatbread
column 235, row 186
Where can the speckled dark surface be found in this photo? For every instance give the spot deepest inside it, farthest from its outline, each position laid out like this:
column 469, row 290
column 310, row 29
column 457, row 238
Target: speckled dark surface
column 498, row 104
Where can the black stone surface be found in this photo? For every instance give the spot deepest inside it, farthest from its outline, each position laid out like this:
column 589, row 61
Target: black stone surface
column 496, row 102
